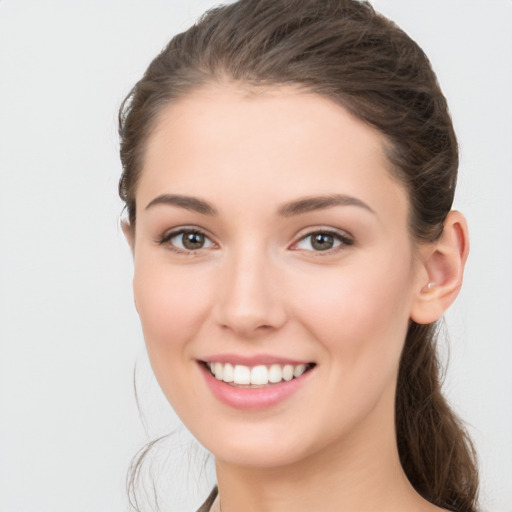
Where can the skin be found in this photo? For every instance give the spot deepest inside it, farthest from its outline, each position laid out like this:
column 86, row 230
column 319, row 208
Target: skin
column 259, row 287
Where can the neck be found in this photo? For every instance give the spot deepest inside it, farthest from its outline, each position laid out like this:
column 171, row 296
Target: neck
column 361, row 472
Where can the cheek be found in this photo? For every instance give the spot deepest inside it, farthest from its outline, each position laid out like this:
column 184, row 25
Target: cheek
column 359, row 313
column 360, row 319
column 171, row 304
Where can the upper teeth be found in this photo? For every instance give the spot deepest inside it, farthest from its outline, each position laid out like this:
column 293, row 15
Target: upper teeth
column 259, row 375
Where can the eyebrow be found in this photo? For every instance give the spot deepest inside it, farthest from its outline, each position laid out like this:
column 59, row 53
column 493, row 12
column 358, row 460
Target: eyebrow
column 187, row 202
column 290, row 209
column 309, row 204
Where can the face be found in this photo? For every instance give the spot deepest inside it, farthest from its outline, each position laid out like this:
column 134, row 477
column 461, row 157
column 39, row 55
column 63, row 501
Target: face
column 274, row 273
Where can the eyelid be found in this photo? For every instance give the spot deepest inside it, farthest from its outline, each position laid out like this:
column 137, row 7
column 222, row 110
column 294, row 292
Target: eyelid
column 166, row 237
column 344, row 237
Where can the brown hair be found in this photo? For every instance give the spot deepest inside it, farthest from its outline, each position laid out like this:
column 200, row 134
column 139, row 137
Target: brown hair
column 343, row 50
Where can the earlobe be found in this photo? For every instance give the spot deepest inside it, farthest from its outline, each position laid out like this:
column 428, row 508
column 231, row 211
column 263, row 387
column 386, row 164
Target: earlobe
column 443, row 262
column 129, row 233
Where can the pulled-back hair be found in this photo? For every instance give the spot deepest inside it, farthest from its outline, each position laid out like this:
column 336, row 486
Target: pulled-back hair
column 342, row 50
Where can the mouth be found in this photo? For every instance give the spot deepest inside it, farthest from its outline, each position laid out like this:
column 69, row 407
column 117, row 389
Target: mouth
column 255, row 383
column 257, row 376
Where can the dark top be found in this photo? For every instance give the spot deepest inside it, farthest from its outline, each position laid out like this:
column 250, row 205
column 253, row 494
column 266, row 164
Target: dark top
column 205, row 507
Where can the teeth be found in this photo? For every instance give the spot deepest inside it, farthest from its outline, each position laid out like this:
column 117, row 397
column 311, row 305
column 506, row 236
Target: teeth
column 228, row 373
column 275, row 373
column 259, row 375
column 241, row 375
column 288, row 372
column 218, row 370
column 299, row 370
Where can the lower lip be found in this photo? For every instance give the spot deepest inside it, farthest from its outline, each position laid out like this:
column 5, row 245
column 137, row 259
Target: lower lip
column 252, row 399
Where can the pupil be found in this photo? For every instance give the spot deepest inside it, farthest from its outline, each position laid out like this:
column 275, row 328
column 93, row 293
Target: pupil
column 193, row 240
column 322, row 241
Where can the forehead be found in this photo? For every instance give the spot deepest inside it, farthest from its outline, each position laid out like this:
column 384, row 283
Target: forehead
column 223, row 114
column 228, row 142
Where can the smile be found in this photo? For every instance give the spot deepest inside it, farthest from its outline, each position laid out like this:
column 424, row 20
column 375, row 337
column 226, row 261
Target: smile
column 260, row 375
column 255, row 386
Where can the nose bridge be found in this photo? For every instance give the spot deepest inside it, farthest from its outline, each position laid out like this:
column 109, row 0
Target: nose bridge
column 249, row 301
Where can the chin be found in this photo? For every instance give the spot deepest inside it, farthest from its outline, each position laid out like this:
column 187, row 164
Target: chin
column 256, row 456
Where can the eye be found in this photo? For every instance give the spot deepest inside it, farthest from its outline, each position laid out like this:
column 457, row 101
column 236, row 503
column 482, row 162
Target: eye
column 322, row 241
column 186, row 240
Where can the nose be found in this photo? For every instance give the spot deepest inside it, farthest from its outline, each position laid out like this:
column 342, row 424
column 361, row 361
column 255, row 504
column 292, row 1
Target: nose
column 251, row 299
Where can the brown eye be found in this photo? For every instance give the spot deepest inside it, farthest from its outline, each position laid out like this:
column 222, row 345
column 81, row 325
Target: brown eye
column 322, row 241
column 187, row 240
column 192, row 240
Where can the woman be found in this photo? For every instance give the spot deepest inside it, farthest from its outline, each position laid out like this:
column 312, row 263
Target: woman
column 289, row 169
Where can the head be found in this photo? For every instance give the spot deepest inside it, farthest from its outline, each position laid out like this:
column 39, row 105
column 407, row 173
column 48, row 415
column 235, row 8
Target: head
column 349, row 106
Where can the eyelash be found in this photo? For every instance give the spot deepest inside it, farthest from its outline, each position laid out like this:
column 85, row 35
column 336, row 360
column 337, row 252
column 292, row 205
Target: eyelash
column 167, row 237
column 343, row 239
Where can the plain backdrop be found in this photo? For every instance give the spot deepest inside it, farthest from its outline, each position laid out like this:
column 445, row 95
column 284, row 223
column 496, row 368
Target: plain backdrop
column 69, row 334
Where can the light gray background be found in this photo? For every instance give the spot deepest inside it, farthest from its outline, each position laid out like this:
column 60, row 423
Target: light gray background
column 69, row 335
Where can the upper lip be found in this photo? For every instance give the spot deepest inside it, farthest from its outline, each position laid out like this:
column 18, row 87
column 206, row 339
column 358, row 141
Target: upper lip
column 253, row 360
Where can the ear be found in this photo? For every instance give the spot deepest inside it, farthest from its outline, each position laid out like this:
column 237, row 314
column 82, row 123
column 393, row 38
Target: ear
column 443, row 266
column 129, row 233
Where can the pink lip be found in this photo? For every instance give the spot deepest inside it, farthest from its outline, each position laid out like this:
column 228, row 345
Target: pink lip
column 253, row 360
column 252, row 399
